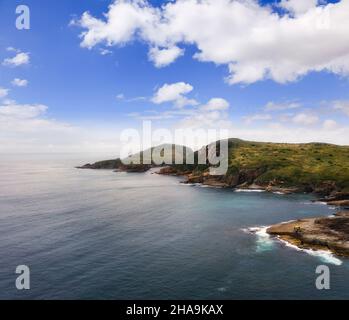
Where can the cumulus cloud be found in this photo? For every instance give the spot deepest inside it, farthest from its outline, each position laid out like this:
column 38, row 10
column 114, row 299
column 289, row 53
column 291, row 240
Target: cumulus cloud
column 216, row 104
column 305, row 119
column 210, row 115
column 3, row 92
column 19, row 82
column 19, row 59
column 298, row 6
column 164, row 57
column 254, row 41
column 330, row 124
column 176, row 93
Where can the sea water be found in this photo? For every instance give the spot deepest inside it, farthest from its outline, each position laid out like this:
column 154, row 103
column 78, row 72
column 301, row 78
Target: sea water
column 88, row 234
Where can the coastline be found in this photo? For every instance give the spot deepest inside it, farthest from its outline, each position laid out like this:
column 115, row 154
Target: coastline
column 214, row 181
column 319, row 235
column 322, row 241
column 329, row 234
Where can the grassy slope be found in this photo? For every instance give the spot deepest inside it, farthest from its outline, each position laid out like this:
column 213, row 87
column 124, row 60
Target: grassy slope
column 292, row 164
column 286, row 165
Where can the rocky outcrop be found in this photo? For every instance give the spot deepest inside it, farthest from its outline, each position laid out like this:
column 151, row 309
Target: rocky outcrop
column 327, row 233
column 106, row 164
column 336, row 196
column 340, row 199
column 339, row 203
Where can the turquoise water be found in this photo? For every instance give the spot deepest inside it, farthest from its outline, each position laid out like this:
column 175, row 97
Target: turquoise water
column 103, row 235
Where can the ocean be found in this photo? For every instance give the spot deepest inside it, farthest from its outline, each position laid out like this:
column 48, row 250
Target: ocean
column 88, row 234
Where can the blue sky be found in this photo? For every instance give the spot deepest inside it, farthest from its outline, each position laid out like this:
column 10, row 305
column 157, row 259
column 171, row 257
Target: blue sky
column 82, row 88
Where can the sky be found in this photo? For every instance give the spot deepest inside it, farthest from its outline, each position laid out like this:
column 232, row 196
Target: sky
column 88, row 69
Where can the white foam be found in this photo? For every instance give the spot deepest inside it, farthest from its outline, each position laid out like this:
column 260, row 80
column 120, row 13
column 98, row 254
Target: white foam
column 320, row 203
column 324, row 255
column 249, row 190
column 265, row 243
column 314, row 202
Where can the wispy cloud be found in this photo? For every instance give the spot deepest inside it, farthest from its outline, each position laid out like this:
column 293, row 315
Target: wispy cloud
column 273, row 106
column 257, row 117
column 341, row 106
column 19, row 82
column 3, row 92
column 306, row 119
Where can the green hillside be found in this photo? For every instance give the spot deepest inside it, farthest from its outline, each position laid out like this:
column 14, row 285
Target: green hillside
column 312, row 167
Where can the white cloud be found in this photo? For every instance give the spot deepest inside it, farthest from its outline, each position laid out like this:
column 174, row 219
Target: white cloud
column 330, row 124
column 19, row 82
column 105, row 52
column 164, row 57
column 26, row 122
column 216, row 104
column 342, row 106
column 3, row 92
column 12, row 49
column 25, row 111
column 19, row 59
column 285, row 134
column 175, row 93
column 272, row 106
column 7, row 102
column 255, row 42
column 27, row 128
column 122, row 97
column 298, row 6
column 257, row 117
column 305, row 119
column 210, row 115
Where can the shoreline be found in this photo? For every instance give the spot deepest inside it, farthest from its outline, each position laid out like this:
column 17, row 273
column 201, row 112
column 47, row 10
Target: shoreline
column 328, row 234
column 324, row 234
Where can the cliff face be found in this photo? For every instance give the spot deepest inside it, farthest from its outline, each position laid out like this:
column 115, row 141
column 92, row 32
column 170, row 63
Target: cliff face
column 314, row 167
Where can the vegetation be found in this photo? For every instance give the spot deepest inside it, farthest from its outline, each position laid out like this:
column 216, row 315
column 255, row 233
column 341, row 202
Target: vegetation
column 309, row 166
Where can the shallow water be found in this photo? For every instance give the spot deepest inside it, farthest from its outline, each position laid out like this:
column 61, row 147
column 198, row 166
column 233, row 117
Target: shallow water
column 98, row 234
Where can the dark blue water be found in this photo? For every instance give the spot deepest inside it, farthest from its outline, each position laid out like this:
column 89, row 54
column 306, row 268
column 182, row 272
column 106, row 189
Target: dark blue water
column 104, row 235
